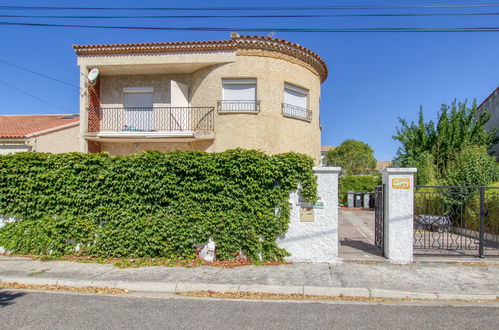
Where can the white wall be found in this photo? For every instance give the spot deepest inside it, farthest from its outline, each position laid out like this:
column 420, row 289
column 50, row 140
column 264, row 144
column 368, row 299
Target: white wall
column 315, row 241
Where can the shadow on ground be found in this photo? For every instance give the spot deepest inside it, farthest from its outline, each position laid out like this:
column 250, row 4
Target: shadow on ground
column 361, row 246
column 7, row 297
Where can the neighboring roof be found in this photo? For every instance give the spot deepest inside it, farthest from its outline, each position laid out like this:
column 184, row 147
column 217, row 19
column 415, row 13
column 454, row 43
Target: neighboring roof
column 327, row 148
column 20, row 126
column 488, row 97
column 237, row 42
column 382, row 164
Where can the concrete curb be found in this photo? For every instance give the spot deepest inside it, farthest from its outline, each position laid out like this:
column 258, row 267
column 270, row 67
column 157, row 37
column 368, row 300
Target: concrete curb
column 160, row 287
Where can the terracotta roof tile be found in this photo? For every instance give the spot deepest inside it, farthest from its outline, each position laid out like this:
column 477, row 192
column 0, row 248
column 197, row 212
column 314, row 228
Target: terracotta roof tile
column 382, row 164
column 19, row 126
column 327, row 148
column 256, row 42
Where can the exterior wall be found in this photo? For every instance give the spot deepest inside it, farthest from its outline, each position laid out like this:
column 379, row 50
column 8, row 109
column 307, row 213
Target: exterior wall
column 315, row 241
column 398, row 215
column 492, row 104
column 6, row 149
column 112, row 88
column 268, row 130
column 64, row 140
column 122, row 149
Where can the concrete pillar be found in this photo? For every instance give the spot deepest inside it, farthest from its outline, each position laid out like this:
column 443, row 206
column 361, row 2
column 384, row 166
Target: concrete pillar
column 312, row 235
column 399, row 214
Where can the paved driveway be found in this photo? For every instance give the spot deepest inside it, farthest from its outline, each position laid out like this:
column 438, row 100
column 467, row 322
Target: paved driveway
column 356, row 235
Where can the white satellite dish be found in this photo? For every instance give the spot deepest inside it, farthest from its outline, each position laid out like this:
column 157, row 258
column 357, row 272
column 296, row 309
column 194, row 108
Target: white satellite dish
column 93, row 74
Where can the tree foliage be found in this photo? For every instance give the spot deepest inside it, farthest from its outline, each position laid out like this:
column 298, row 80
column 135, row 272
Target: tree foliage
column 359, row 183
column 354, row 157
column 150, row 204
column 472, row 166
column 431, row 146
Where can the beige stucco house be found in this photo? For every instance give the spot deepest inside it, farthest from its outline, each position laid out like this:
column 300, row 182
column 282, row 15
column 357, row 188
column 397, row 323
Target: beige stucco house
column 41, row 133
column 247, row 92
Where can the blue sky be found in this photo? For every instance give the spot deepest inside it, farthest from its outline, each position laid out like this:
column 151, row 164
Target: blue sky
column 373, row 77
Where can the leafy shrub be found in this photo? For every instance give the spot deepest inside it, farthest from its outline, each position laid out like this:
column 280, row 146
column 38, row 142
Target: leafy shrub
column 491, row 203
column 150, row 204
column 361, row 183
column 472, row 166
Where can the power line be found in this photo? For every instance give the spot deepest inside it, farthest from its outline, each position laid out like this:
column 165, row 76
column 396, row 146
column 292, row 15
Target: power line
column 375, row 7
column 38, row 73
column 247, row 16
column 33, row 96
column 251, row 29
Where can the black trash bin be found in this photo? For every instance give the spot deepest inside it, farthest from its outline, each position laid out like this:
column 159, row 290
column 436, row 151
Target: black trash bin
column 358, row 199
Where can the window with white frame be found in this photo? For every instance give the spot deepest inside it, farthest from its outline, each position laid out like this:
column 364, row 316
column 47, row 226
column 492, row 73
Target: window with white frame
column 238, row 95
column 296, row 102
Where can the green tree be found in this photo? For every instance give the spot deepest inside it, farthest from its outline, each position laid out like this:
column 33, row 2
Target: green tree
column 354, row 157
column 432, row 146
column 472, row 166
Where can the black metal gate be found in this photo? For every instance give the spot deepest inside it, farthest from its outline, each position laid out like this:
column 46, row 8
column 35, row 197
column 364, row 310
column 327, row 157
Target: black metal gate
column 379, row 213
column 452, row 220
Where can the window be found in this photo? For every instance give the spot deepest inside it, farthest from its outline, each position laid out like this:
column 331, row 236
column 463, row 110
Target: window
column 238, row 95
column 296, row 102
column 139, row 109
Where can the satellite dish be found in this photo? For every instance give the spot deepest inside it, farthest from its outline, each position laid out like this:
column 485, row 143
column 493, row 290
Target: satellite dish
column 93, row 74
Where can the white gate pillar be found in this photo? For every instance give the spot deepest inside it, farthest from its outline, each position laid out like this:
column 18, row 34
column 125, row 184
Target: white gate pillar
column 312, row 234
column 398, row 214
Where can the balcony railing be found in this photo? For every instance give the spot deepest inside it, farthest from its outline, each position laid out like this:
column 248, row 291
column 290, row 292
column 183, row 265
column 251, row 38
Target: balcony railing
column 293, row 111
column 233, row 106
column 155, row 119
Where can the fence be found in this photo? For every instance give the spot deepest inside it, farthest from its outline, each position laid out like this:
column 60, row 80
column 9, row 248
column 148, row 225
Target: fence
column 155, row 119
column 452, row 220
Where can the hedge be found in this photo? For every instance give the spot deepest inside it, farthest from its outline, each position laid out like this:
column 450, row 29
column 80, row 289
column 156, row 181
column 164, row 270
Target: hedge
column 472, row 211
column 150, row 204
column 359, row 183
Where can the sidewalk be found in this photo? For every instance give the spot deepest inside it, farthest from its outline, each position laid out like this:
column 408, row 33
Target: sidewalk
column 426, row 280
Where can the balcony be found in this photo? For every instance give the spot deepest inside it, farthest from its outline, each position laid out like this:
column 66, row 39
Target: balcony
column 238, row 106
column 293, row 111
column 151, row 122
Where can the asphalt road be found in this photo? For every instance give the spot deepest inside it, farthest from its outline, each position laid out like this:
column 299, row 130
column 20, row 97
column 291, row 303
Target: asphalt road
column 47, row 310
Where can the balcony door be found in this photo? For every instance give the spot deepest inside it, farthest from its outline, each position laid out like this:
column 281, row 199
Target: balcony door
column 139, row 114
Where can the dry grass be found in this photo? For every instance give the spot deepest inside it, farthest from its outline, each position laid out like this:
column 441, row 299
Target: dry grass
column 276, row 296
column 87, row 289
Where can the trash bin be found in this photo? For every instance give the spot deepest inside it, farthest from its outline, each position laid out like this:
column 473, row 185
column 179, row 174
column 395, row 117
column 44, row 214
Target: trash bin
column 350, row 199
column 371, row 200
column 358, row 200
column 367, row 198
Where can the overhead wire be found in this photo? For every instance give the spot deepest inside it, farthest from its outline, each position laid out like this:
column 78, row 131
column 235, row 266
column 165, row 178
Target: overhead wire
column 257, row 8
column 266, row 29
column 38, row 73
column 33, row 96
column 247, row 16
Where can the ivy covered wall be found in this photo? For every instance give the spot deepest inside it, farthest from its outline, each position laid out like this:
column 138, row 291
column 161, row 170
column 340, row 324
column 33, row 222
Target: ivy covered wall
column 150, row 204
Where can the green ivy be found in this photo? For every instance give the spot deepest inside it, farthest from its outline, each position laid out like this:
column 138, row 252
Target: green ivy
column 150, row 204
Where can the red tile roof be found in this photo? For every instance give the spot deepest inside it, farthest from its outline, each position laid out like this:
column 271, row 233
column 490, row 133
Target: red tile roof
column 488, row 97
column 19, row 126
column 235, row 43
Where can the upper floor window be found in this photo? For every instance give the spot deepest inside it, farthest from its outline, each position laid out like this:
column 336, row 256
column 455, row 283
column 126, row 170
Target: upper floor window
column 238, row 95
column 296, row 102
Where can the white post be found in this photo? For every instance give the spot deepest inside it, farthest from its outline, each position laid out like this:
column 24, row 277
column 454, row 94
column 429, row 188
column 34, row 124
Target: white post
column 398, row 214
column 312, row 235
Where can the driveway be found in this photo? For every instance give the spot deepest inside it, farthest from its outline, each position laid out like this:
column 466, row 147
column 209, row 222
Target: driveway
column 356, row 235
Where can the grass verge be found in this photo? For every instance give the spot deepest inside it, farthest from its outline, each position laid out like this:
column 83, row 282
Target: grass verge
column 87, row 289
column 276, row 296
